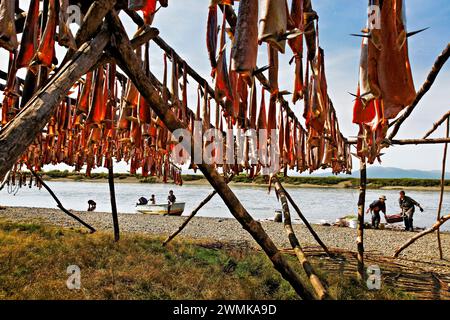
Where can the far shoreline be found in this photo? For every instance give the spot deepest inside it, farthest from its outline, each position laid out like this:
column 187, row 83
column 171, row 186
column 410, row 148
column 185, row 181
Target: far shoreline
column 204, row 182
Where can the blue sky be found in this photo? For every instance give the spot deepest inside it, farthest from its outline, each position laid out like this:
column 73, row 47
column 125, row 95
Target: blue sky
column 183, row 26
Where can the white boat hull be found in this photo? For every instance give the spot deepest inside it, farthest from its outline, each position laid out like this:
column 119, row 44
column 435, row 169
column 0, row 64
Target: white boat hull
column 175, row 210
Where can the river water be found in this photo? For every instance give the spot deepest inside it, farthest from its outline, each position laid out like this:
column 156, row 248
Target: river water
column 317, row 204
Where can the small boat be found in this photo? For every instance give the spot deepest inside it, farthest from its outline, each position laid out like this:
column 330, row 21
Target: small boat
column 176, row 209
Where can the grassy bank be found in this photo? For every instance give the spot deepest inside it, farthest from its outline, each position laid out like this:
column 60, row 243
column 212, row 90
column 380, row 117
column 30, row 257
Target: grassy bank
column 34, row 258
column 344, row 182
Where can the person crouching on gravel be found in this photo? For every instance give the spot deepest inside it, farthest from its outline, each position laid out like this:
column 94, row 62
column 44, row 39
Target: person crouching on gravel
column 375, row 208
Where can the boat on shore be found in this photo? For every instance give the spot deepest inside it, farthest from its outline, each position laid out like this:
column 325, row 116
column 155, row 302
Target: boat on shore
column 176, row 209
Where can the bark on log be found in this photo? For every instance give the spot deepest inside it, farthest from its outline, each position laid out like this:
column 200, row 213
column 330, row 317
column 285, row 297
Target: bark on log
column 360, row 229
column 59, row 204
column 437, row 124
column 20, row 132
column 193, row 213
column 129, row 63
column 305, row 221
column 112, row 195
column 435, row 226
column 441, row 194
column 319, row 289
column 438, row 64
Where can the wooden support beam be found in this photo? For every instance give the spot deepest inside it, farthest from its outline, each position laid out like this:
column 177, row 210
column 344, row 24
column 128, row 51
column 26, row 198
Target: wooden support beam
column 91, row 23
column 305, row 221
column 437, row 124
column 21, row 131
column 360, row 229
column 193, row 213
column 435, row 227
column 319, row 289
column 420, row 141
column 441, row 193
column 130, row 64
column 112, row 195
column 59, row 204
column 438, row 64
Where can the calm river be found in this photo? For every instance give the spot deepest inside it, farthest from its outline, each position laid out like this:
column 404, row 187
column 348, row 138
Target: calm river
column 317, row 204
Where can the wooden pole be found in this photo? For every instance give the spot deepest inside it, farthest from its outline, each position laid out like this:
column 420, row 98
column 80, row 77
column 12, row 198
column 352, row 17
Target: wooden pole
column 441, row 195
column 321, row 292
column 438, row 64
column 130, row 64
column 193, row 213
column 305, row 221
column 437, row 124
column 112, row 194
column 435, row 227
column 59, row 204
column 360, row 229
column 409, row 141
column 21, row 131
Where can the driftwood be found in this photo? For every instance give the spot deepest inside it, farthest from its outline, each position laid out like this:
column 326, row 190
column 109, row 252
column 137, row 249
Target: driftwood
column 193, row 213
column 20, row 132
column 360, row 229
column 313, row 278
column 305, row 221
column 438, row 64
column 59, row 204
column 130, row 64
column 112, row 194
column 435, row 227
column 437, row 124
column 441, row 194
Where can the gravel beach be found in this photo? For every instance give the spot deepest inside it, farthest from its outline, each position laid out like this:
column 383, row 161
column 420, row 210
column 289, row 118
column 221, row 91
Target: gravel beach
column 423, row 253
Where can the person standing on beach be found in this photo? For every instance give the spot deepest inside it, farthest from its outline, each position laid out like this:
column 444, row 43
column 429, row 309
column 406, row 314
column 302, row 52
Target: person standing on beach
column 171, row 200
column 375, row 208
column 407, row 205
column 152, row 199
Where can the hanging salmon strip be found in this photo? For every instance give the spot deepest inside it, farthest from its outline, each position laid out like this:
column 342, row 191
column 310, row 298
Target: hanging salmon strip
column 8, row 36
column 245, row 48
column 65, row 34
column 273, row 23
column 28, row 43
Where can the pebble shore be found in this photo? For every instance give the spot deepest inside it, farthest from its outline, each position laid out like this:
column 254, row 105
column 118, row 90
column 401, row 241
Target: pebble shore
column 379, row 242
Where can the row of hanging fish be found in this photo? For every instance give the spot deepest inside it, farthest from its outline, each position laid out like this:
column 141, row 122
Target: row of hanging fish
column 277, row 25
column 385, row 80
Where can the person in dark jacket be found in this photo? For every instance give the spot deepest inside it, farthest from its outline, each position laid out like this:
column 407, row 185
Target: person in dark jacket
column 375, row 208
column 171, row 200
column 407, row 205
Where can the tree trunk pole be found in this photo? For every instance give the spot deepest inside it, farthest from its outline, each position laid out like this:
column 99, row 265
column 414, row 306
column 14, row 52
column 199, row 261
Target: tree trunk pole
column 321, row 292
column 112, row 194
column 305, row 221
column 441, row 195
column 59, row 204
column 435, row 227
column 360, row 230
column 131, row 65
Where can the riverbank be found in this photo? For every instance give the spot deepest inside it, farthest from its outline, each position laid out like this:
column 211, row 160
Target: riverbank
column 260, row 181
column 423, row 253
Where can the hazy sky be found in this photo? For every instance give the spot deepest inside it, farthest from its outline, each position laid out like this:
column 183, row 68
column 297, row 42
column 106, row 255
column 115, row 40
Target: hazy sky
column 183, row 26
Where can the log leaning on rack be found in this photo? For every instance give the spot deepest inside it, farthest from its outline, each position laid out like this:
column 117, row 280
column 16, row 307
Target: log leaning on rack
column 193, row 213
column 20, row 132
column 438, row 64
column 305, row 221
column 59, row 204
column 129, row 63
column 360, row 228
column 320, row 290
column 435, row 227
column 442, row 186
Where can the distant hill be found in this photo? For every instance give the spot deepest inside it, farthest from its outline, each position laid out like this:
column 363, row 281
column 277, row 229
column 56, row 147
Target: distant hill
column 391, row 173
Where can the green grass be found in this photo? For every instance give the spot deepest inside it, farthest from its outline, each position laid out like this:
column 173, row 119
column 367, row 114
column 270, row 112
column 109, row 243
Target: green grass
column 34, row 259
